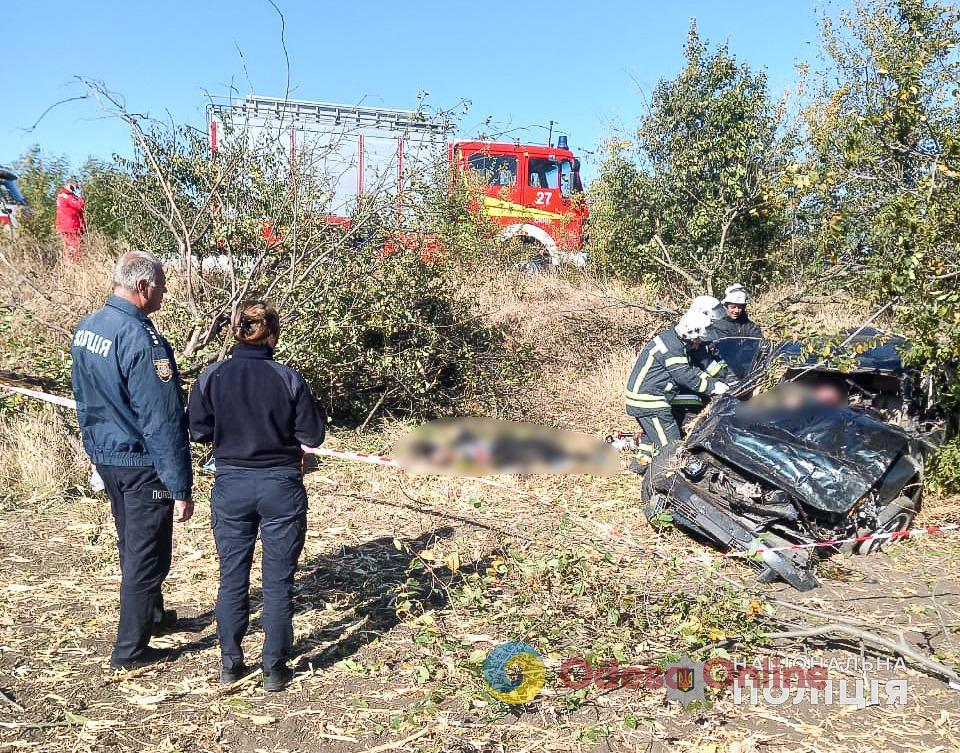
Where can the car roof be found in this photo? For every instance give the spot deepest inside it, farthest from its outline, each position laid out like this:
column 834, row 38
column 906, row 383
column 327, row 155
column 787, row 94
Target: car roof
column 882, row 351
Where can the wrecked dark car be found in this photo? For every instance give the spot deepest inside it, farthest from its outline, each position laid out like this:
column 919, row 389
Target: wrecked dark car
column 803, row 450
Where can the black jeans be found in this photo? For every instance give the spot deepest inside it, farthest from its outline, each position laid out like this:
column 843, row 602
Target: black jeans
column 274, row 501
column 143, row 512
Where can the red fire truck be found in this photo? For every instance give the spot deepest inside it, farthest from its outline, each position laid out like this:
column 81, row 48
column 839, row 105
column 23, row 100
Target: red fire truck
column 533, row 192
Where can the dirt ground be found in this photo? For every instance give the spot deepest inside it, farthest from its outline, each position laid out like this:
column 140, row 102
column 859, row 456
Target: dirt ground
column 405, row 585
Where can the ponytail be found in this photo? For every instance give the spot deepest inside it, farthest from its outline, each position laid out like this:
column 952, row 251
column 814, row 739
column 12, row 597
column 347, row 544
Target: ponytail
column 257, row 324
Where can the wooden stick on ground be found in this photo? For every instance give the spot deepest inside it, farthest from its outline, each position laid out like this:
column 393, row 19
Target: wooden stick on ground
column 11, row 703
column 809, row 631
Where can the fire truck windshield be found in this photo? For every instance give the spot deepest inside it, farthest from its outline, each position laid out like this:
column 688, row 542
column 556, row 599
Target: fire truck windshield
column 497, row 170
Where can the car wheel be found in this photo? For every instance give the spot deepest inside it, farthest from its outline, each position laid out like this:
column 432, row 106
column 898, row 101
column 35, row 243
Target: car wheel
column 535, row 265
column 897, row 515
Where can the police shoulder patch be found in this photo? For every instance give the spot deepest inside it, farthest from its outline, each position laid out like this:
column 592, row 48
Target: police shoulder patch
column 164, row 369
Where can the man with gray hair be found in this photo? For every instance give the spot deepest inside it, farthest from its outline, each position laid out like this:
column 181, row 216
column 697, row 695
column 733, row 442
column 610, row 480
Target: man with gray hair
column 134, row 429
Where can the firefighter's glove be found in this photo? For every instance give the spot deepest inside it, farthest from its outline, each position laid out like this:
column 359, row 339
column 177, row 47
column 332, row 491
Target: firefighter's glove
column 720, row 388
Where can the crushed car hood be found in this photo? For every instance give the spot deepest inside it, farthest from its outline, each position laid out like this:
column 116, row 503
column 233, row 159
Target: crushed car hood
column 827, row 457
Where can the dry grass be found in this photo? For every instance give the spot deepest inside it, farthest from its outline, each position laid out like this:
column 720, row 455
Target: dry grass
column 812, row 313
column 35, row 278
column 583, row 335
column 407, row 582
column 42, row 459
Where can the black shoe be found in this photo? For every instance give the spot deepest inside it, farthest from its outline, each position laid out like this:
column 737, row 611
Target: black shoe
column 166, row 624
column 277, row 678
column 234, row 674
column 146, row 657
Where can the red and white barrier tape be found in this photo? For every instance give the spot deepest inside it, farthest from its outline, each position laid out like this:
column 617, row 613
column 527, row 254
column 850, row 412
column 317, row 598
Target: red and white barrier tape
column 369, row 458
column 358, row 457
column 388, row 462
column 46, row 397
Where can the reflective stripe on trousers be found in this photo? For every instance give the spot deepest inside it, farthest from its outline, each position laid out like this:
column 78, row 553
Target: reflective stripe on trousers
column 659, row 429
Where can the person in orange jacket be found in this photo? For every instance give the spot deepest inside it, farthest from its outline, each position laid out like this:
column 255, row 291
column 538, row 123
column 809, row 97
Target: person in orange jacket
column 70, row 219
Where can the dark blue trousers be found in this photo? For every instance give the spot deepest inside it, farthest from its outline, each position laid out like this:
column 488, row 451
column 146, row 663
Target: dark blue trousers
column 659, row 429
column 143, row 512
column 273, row 501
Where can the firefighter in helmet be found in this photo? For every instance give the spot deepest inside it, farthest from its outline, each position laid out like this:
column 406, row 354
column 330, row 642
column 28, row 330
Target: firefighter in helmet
column 661, row 371
column 687, row 403
column 735, row 322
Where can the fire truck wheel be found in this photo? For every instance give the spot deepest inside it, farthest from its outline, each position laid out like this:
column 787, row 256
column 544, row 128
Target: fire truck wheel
column 524, row 255
column 535, row 265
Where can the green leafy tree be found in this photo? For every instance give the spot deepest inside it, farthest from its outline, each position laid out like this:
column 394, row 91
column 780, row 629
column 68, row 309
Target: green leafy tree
column 884, row 176
column 100, row 181
column 700, row 204
column 40, row 177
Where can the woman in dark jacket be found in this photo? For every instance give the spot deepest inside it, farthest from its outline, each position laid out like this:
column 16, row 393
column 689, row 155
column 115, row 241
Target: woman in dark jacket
column 257, row 413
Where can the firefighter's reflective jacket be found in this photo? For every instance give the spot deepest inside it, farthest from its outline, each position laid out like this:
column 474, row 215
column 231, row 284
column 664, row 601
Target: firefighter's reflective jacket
column 705, row 358
column 662, row 370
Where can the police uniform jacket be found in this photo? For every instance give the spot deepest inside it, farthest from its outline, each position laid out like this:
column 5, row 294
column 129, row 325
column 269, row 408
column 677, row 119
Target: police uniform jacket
column 661, row 371
column 126, row 385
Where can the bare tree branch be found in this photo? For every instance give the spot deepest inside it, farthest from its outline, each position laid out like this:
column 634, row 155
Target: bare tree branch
column 866, row 636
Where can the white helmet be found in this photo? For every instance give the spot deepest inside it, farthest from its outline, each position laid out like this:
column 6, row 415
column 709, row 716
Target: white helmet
column 707, row 304
column 692, row 326
column 736, row 293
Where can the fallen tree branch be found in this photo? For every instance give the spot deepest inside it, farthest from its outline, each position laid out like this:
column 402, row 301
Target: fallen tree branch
column 11, row 703
column 817, row 613
column 866, row 636
column 254, row 674
column 59, row 329
column 401, row 743
column 622, row 303
column 48, row 385
column 373, row 410
column 808, row 631
column 846, row 341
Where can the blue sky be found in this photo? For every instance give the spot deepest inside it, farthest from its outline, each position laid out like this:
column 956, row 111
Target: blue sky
column 585, row 65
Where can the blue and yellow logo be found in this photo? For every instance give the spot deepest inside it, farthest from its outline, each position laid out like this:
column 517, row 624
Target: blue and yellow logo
column 514, row 673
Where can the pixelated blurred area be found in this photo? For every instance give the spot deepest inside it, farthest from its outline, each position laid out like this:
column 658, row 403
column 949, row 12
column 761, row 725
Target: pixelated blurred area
column 486, row 446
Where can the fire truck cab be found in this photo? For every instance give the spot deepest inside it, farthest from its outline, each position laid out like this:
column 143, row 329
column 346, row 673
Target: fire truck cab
column 533, row 193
